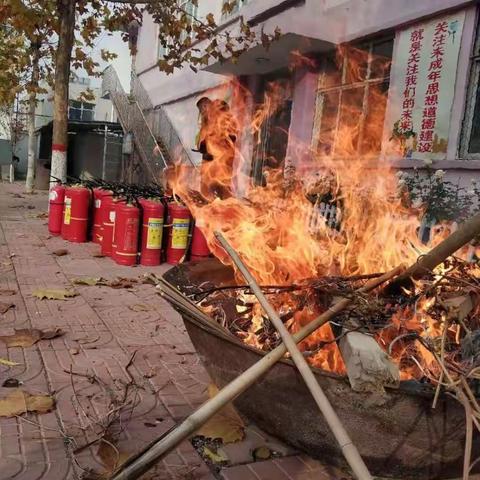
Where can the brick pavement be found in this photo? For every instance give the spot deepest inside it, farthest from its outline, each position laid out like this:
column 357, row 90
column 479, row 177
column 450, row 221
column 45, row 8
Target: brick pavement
column 103, row 328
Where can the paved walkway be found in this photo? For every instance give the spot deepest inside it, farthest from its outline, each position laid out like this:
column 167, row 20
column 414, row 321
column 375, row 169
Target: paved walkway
column 124, row 366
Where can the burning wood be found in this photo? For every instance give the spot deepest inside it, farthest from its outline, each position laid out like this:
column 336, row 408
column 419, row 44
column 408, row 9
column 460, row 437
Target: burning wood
column 408, row 325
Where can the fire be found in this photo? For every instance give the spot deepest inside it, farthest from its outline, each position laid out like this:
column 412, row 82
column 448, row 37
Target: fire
column 269, row 224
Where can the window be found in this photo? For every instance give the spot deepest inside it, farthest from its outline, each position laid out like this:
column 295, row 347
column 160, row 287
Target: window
column 191, row 11
column 238, row 5
column 470, row 144
column 352, row 97
column 81, row 111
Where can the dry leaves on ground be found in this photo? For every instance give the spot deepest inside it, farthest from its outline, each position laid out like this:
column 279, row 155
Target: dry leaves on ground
column 7, row 292
column 117, row 283
column 110, row 455
column 123, row 282
column 8, row 363
column 54, row 293
column 5, row 307
column 60, row 252
column 225, row 424
column 26, row 337
column 218, row 457
column 90, row 281
column 139, row 308
column 11, row 383
column 262, row 453
column 18, row 401
column 41, row 215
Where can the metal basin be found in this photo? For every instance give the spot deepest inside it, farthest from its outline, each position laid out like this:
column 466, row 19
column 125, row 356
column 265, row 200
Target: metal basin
column 398, row 434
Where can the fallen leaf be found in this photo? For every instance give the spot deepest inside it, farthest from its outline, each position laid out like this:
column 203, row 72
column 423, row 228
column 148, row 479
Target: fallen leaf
column 7, row 292
column 11, row 383
column 139, row 308
column 61, row 252
column 90, row 281
column 39, row 403
column 225, row 424
column 261, row 453
column 110, row 455
column 54, row 294
column 150, row 424
column 13, row 404
column 151, row 373
column 122, row 283
column 42, row 215
column 74, row 351
column 8, row 363
column 5, row 307
column 216, row 457
column 98, row 255
column 26, row 337
column 19, row 401
column 22, row 338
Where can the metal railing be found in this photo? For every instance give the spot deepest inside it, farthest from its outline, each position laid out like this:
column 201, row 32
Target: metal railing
column 133, row 120
column 161, row 124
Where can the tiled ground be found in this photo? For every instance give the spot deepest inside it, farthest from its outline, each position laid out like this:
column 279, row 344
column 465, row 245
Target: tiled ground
column 105, row 331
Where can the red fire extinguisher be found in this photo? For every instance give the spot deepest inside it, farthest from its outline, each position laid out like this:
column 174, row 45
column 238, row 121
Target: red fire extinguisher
column 76, row 216
column 108, row 221
column 152, row 232
column 179, row 225
column 56, row 200
column 98, row 194
column 125, row 236
column 199, row 249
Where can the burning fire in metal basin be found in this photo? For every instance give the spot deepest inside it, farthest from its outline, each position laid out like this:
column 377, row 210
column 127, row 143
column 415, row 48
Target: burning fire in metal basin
column 270, row 225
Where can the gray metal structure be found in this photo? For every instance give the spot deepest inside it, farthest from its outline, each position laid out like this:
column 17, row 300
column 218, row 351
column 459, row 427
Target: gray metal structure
column 155, row 138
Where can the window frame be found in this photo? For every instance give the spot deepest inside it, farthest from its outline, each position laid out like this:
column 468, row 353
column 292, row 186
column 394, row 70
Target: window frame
column 82, row 110
column 343, row 87
column 471, row 100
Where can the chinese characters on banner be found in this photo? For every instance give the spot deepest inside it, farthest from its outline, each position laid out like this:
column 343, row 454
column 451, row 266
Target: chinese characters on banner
column 422, row 84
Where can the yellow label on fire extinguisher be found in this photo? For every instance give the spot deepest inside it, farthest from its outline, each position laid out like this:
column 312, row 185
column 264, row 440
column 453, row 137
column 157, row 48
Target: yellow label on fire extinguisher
column 68, row 211
column 180, row 232
column 154, row 233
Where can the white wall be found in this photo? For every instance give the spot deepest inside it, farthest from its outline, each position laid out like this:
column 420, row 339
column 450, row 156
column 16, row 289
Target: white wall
column 334, row 21
column 103, row 108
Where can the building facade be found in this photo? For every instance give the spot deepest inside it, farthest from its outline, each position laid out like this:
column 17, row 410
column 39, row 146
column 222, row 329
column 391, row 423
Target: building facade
column 94, row 109
column 95, row 113
column 404, row 88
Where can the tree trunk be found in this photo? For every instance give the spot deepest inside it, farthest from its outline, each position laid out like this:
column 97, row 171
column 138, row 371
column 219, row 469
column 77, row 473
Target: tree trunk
column 32, row 104
column 66, row 10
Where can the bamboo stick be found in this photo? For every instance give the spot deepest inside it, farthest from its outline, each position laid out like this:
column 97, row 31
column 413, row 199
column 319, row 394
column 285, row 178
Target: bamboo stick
column 349, row 450
column 149, row 456
column 426, row 263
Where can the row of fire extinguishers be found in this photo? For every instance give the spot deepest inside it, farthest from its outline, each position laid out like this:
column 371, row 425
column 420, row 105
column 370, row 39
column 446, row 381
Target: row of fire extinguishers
column 132, row 223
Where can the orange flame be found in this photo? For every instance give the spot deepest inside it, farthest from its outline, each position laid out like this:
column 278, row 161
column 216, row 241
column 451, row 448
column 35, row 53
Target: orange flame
column 271, row 226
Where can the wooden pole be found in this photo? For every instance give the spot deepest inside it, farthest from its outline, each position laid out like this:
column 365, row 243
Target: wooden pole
column 426, row 263
column 349, row 450
column 149, row 456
